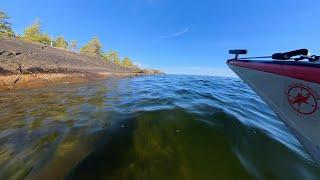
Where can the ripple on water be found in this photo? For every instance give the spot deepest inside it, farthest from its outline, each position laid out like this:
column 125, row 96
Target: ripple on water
column 169, row 126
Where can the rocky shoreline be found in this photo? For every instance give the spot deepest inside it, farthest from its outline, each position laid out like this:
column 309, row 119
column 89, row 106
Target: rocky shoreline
column 26, row 65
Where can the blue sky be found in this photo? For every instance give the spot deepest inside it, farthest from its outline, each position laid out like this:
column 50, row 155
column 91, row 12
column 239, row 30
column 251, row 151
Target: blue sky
column 184, row 37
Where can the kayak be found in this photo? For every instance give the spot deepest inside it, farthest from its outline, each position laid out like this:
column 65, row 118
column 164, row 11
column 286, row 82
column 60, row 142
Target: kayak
column 289, row 83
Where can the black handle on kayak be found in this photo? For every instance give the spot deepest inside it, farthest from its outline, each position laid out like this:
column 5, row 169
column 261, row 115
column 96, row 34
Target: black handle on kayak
column 288, row 55
column 236, row 52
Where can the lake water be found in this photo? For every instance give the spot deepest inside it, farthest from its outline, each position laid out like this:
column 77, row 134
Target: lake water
column 152, row 127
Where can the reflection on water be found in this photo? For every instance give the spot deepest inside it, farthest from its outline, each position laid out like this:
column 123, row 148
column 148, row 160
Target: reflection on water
column 157, row 127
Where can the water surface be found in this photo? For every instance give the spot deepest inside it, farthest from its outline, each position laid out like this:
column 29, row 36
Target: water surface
column 152, row 127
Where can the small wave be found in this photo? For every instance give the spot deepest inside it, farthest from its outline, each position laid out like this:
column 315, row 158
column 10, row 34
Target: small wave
column 167, row 126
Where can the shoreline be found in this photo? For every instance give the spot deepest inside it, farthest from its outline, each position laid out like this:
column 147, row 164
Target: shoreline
column 25, row 65
column 40, row 80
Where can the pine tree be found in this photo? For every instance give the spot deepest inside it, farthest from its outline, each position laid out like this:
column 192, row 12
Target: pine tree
column 33, row 34
column 127, row 63
column 112, row 56
column 60, row 42
column 5, row 26
column 93, row 48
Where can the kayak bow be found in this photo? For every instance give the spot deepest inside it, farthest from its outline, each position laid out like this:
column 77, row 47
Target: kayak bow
column 290, row 84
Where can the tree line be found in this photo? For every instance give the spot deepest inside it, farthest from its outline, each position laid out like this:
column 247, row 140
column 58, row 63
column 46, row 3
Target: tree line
column 34, row 34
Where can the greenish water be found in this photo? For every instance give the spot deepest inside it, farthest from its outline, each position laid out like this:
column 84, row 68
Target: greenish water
column 153, row 127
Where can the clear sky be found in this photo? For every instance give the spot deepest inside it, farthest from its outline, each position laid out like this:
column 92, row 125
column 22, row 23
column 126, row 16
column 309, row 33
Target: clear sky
column 184, row 37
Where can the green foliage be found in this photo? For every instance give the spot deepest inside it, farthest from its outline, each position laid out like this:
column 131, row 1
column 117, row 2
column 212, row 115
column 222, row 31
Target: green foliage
column 93, row 48
column 33, row 34
column 117, row 61
column 106, row 56
column 60, row 42
column 5, row 26
column 73, row 45
column 112, row 56
column 127, row 63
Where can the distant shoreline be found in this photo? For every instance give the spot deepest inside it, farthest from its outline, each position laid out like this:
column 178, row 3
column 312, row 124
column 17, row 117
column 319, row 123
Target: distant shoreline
column 26, row 65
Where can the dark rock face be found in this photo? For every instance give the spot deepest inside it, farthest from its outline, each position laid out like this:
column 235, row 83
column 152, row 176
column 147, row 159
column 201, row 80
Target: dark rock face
column 19, row 57
column 26, row 65
column 5, row 72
